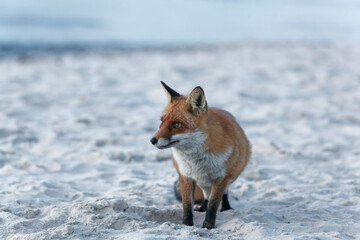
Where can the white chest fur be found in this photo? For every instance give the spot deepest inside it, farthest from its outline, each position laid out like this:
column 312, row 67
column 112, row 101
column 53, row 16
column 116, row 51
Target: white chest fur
column 200, row 165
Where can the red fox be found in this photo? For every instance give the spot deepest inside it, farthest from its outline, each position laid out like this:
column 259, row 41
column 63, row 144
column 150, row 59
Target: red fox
column 209, row 151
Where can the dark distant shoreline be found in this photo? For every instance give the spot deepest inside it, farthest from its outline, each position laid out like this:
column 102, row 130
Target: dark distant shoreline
column 39, row 49
column 28, row 50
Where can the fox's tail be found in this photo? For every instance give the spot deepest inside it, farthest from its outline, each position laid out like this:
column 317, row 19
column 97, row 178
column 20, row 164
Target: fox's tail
column 198, row 194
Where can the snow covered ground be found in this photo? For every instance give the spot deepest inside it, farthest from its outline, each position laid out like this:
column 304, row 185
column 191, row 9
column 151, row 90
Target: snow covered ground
column 76, row 161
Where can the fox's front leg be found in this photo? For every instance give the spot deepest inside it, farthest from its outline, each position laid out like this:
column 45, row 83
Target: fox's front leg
column 217, row 191
column 187, row 188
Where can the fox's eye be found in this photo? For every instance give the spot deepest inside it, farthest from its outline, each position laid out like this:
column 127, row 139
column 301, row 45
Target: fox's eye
column 177, row 125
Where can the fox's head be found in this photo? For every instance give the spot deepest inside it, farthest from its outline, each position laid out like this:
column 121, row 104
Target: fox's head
column 182, row 121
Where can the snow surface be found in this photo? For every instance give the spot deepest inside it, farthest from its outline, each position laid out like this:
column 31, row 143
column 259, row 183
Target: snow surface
column 76, row 161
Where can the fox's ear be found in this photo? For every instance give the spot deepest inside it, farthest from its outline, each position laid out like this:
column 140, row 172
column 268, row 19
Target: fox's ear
column 196, row 101
column 171, row 93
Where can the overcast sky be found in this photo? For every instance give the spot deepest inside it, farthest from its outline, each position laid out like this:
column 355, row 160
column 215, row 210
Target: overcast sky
column 179, row 21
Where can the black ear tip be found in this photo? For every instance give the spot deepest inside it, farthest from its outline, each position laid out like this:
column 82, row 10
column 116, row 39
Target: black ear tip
column 171, row 91
column 165, row 85
column 200, row 88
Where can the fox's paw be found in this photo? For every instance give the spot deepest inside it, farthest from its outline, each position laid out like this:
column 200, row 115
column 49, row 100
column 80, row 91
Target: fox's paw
column 208, row 225
column 225, row 208
column 203, row 207
column 225, row 205
column 188, row 221
column 200, row 209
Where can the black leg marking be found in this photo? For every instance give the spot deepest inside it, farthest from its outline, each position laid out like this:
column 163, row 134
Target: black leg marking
column 203, row 206
column 225, row 205
column 188, row 217
column 210, row 217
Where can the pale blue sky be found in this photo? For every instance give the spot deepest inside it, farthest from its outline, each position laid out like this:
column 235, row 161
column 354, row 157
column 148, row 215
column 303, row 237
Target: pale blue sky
column 178, row 21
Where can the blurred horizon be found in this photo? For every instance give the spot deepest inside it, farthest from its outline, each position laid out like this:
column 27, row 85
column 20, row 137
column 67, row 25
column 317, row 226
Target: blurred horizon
column 171, row 22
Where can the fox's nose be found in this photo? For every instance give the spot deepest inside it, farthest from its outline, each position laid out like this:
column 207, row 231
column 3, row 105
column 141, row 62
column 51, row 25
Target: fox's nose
column 153, row 140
